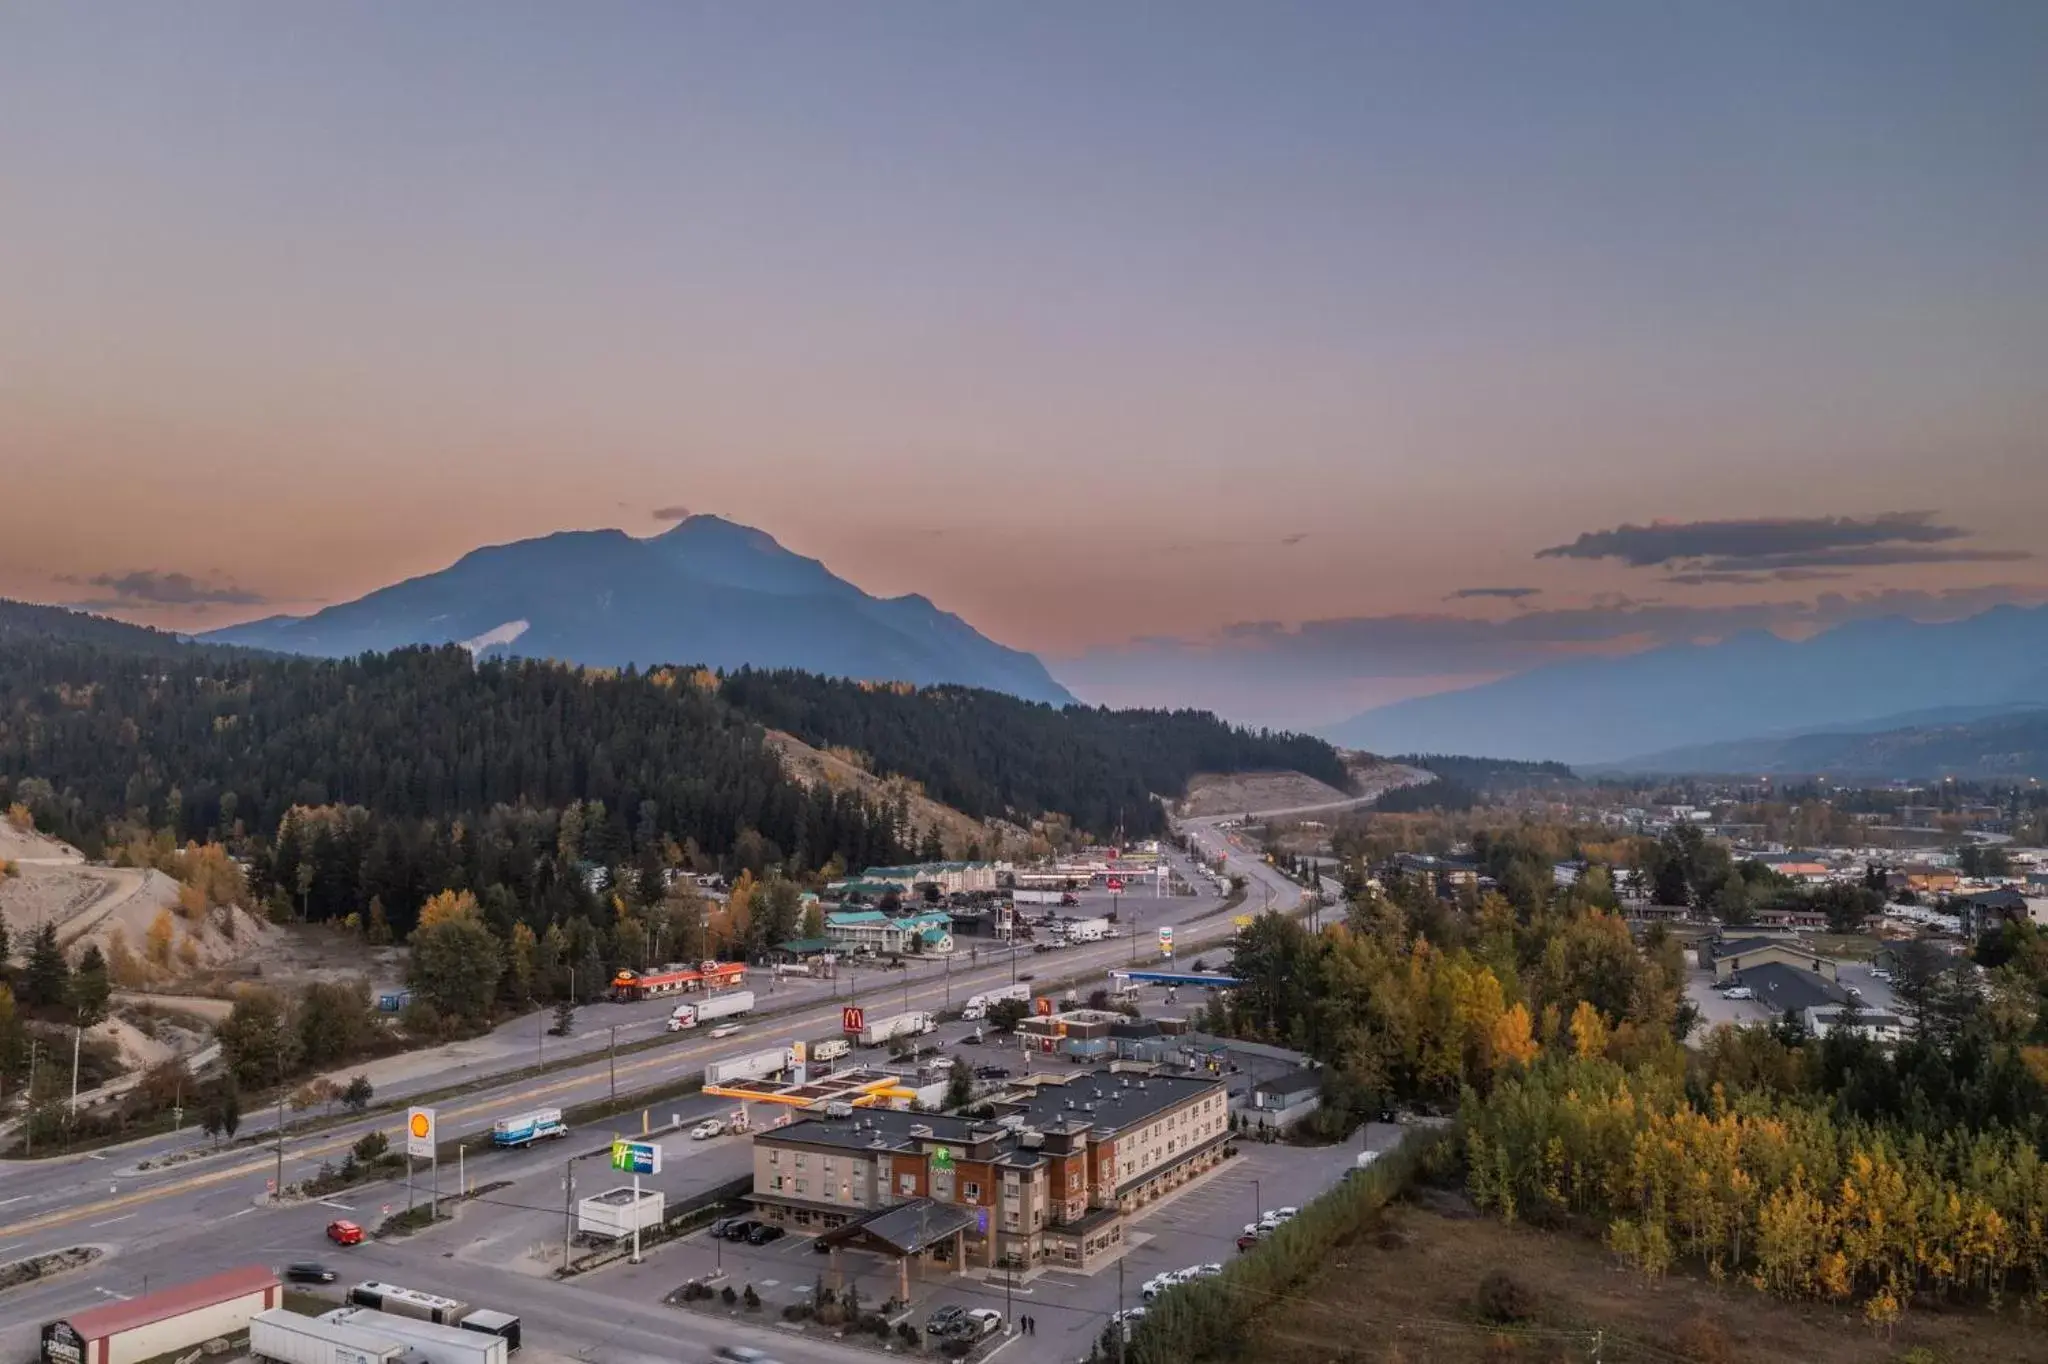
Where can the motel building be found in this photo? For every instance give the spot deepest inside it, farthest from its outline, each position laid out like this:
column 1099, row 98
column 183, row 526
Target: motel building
column 1048, row 1182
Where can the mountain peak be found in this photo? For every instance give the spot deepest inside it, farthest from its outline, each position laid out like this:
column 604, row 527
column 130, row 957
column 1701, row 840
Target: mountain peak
column 706, row 591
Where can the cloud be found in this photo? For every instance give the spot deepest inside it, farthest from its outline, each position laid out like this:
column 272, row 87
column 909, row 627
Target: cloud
column 1503, row 593
column 677, row 512
column 1744, row 577
column 1768, row 543
column 145, row 589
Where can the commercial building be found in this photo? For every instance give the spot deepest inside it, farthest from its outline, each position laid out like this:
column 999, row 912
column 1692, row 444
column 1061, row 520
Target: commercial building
column 175, row 1318
column 952, row 878
column 870, row 930
column 1050, row 1177
column 1736, row 956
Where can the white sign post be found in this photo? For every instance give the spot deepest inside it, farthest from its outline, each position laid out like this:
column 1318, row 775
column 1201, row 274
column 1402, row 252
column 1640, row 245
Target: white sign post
column 641, row 1158
column 419, row 1141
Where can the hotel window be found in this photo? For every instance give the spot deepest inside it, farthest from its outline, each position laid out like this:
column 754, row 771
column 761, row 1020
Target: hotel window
column 972, row 1191
column 774, row 1157
column 801, row 1160
column 803, row 1186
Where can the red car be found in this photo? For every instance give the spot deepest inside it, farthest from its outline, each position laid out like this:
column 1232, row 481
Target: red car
column 344, row 1233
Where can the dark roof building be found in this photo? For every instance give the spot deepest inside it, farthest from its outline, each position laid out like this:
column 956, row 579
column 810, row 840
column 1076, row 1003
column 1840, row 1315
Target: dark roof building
column 1780, row 987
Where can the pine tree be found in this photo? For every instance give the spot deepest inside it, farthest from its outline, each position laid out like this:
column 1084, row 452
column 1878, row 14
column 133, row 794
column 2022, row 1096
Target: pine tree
column 47, row 980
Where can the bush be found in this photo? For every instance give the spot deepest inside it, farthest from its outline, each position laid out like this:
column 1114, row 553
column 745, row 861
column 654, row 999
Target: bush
column 908, row 1333
column 877, row 1326
column 752, row 1299
column 1702, row 1340
column 728, row 1297
column 372, row 1147
column 797, row 1311
column 1503, row 1298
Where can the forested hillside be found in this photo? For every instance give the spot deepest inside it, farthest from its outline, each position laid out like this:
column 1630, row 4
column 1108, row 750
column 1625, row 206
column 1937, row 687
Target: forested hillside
column 992, row 755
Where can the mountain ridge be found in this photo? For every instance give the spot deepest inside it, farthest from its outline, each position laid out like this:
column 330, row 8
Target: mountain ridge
column 1609, row 710
column 706, row 591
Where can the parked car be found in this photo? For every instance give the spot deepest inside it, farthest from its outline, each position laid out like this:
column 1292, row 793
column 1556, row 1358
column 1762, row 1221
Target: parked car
column 344, row 1233
column 707, row 1129
column 763, row 1233
column 308, row 1272
column 740, row 1229
column 724, row 1225
column 1740, row 992
column 1287, row 1214
column 1249, row 1239
column 1127, row 1319
column 991, row 1072
column 742, row 1354
column 980, row 1322
column 1207, row 1271
column 943, row 1317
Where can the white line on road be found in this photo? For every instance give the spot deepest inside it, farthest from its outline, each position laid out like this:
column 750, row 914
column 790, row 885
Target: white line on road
column 95, row 1155
column 16, row 1199
column 243, row 1213
column 109, row 1222
column 112, row 1294
column 339, row 1207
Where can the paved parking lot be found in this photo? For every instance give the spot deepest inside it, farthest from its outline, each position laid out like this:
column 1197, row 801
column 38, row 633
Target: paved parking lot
column 1716, row 1007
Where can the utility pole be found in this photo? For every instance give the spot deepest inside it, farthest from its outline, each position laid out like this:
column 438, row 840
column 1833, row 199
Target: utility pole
column 1119, row 1327
column 28, row 1128
column 613, row 1061
column 539, row 1036
column 569, row 1208
column 77, row 1032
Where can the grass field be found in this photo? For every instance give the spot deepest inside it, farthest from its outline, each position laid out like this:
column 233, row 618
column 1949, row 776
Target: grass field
column 1410, row 1292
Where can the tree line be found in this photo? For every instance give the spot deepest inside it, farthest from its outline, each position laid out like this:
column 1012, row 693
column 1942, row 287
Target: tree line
column 994, row 756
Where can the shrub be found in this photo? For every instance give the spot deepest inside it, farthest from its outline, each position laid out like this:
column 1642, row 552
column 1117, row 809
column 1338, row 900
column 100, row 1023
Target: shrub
column 908, row 1333
column 728, row 1297
column 752, row 1299
column 372, row 1147
column 1504, row 1299
column 1702, row 1340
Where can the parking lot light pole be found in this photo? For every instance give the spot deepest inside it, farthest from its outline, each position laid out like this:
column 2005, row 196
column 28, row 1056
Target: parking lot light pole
column 1258, row 1204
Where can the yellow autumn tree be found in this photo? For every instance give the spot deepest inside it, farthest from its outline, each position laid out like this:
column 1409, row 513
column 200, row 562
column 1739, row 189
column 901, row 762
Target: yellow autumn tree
column 18, row 815
column 1589, row 1031
column 447, row 907
column 157, row 945
column 1514, row 1038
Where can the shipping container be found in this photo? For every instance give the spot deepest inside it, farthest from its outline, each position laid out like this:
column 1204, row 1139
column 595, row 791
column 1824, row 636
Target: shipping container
column 433, row 1344
column 289, row 1338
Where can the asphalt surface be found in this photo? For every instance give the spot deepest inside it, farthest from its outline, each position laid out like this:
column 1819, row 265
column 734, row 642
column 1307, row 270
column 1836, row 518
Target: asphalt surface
column 209, row 1211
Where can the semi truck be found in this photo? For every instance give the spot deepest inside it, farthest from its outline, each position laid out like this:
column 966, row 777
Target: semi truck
column 757, row 1065
column 729, row 1005
column 1035, row 897
column 528, row 1128
column 288, row 1338
column 391, row 1300
column 433, row 1344
column 889, row 1029
column 978, row 1005
column 1087, row 930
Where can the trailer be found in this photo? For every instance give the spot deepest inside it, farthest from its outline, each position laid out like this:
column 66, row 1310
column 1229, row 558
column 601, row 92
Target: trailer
column 831, row 1049
column 288, row 1338
column 758, row 1065
column 915, row 1024
column 729, row 1005
column 1088, row 930
column 393, row 1300
column 433, row 1344
column 618, row 1213
column 1035, row 897
column 978, row 1006
column 528, row 1128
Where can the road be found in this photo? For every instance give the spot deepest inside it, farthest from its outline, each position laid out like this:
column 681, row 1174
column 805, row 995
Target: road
column 208, row 1210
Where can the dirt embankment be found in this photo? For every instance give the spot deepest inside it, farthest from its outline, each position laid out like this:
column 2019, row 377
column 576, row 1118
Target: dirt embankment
column 1237, row 793
column 846, row 772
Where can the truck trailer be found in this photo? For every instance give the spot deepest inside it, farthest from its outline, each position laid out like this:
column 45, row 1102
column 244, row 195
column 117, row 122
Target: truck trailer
column 831, row 1049
column 288, row 1338
column 1087, row 930
column 897, row 1026
column 528, row 1128
column 728, row 1005
column 1035, row 897
column 978, row 1005
column 433, row 1344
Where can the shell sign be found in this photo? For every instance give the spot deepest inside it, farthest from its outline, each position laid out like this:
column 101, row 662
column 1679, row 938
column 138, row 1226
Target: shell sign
column 419, row 1132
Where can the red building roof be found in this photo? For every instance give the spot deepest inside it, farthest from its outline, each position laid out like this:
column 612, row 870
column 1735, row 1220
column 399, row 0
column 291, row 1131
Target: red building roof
column 116, row 1317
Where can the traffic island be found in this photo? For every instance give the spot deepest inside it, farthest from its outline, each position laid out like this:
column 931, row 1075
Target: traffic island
column 423, row 1215
column 820, row 1314
column 36, row 1268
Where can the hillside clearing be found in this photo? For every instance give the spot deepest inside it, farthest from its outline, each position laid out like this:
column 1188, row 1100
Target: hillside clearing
column 1408, row 1293
column 959, row 832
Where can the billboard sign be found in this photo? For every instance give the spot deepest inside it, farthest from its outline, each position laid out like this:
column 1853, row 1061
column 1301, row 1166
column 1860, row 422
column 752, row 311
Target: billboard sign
column 853, row 1019
column 636, row 1157
column 1166, row 940
column 419, row 1132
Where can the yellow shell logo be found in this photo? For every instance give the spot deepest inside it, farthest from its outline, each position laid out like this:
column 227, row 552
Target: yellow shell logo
column 421, row 1125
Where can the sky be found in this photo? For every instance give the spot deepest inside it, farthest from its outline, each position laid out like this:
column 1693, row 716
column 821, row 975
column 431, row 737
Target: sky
column 1285, row 358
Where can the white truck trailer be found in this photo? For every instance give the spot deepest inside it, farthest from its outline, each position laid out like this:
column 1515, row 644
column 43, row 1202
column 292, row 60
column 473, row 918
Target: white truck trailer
column 831, row 1049
column 288, row 1338
column 978, row 1006
column 528, row 1128
column 758, row 1065
column 1088, row 930
column 1035, row 897
column 433, row 1344
column 729, row 1005
column 896, row 1027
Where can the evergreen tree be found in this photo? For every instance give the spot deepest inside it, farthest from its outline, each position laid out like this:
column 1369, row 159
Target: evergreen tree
column 90, row 988
column 47, row 980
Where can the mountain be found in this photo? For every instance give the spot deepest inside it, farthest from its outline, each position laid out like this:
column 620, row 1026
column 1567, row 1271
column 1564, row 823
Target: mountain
column 1994, row 742
column 1596, row 710
column 706, row 591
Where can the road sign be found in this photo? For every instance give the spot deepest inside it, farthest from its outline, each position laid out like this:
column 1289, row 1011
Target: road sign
column 707, row 967
column 853, row 1018
column 1043, row 1004
column 1116, row 883
column 419, row 1132
column 1242, row 921
column 797, row 1052
column 1166, row 940
column 637, row 1157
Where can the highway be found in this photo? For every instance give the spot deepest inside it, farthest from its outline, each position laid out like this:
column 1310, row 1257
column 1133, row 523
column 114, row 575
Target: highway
column 209, row 1210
